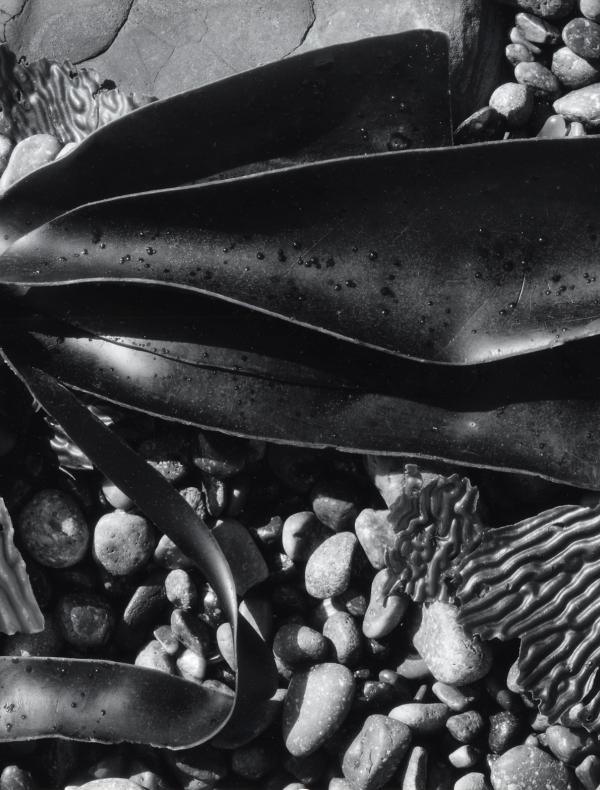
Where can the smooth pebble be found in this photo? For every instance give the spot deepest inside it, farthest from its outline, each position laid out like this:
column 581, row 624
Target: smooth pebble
column 153, row 656
column 466, row 727
column 529, row 768
column 181, row 590
column 514, row 102
column 590, row 9
column 539, row 78
column 329, row 568
column 27, row 156
column 123, row 542
column 582, row 36
column 384, row 612
column 581, row 105
column 53, row 529
column 471, row 781
column 423, row 718
column 334, row 503
column 343, row 633
column 536, row 30
column 376, row 752
column 572, row 71
column 302, row 534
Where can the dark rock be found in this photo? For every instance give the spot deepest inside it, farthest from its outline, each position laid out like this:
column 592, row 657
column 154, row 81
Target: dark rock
column 505, row 729
column 582, row 36
column 192, row 632
column 148, row 603
column 334, row 503
column 317, row 702
column 123, row 542
column 342, row 631
column 252, row 762
column 296, row 644
column 168, row 453
column 375, row 534
column 536, row 30
column 374, row 755
column 85, row 620
column 202, row 764
column 52, row 528
column 308, row 769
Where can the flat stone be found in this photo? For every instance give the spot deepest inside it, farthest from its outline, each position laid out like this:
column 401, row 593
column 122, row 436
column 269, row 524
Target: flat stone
column 451, row 654
column 302, row 534
column 375, row 534
column 384, row 612
column 295, row 644
column 343, row 633
column 590, row 9
column 147, row 604
column 583, row 37
column 245, row 560
column 573, row 71
column 514, row 102
column 110, row 784
column 329, row 568
column 581, row 105
column 169, row 642
column 317, row 702
column 536, row 30
column 423, row 718
column 376, row 752
column 539, row 78
column 192, row 632
column 529, row 768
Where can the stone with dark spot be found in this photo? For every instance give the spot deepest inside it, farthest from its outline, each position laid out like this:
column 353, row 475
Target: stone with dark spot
column 376, row 752
column 295, row 644
column 505, row 728
column 85, row 620
column 334, row 502
column 123, row 542
column 582, row 36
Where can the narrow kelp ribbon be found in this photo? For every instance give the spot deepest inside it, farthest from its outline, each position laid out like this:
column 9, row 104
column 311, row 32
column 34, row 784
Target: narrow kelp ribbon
column 111, row 702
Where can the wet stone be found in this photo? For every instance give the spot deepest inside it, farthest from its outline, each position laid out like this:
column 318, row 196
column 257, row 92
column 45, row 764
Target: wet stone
column 302, row 534
column 518, row 53
column 384, row 612
column 168, row 453
column 181, row 590
column 192, row 632
column 329, row 567
column 199, row 768
column 215, row 495
column 48, row 642
column 191, row 666
column 581, row 105
column 572, row 71
column 452, row 655
column 123, row 542
column 85, row 620
column 247, row 564
column 590, row 9
column 219, row 455
column 147, row 604
column 334, row 503
column 27, row 156
column 457, row 699
column 377, row 696
column 375, row 534
column 254, row 723
column 529, row 768
column 169, row 643
column 376, row 752
column 6, row 147
column 539, row 78
column 514, row 102
column 343, row 633
column 110, row 784
column 296, row 644
column 413, row 668
column 504, row 730
column 296, row 467
column 252, row 762
column 317, row 702
column 554, row 127
column 308, row 769
column 53, row 530
column 153, row 656
column 423, row 718
column 115, row 497
column 466, row 727
column 536, row 30
column 582, row 36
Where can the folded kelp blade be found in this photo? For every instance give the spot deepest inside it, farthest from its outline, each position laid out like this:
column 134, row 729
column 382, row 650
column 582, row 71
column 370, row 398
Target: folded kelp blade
column 435, row 255
column 368, row 96
column 539, row 581
column 251, row 375
column 116, row 702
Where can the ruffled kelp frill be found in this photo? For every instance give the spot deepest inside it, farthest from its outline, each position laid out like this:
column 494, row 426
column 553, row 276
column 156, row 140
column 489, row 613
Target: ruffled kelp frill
column 49, row 98
column 539, row 581
column 436, row 522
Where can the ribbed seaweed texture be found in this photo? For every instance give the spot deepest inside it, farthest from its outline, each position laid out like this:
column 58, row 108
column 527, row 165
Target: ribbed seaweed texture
column 436, row 524
column 19, row 610
column 539, row 581
column 62, row 100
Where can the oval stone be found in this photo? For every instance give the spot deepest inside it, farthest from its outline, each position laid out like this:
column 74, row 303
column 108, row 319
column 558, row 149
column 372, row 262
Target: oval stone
column 590, row 9
column 422, row 717
column 539, row 78
column 343, row 633
column 384, row 611
column 27, row 156
column 581, row 105
column 547, row 9
column 518, row 53
column 583, row 37
column 329, row 567
column 295, row 644
column 529, row 768
column 317, row 702
column 376, row 752
column 536, row 30
column 572, row 71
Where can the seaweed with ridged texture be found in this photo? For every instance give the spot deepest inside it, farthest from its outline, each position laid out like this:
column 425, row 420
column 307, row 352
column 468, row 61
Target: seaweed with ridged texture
column 539, row 581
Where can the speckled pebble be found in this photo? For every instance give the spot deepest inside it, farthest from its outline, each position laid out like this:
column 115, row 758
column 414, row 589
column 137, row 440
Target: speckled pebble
column 471, row 781
column 376, row 752
column 295, row 644
column 85, row 620
column 153, row 656
column 466, row 727
column 375, row 534
column 450, row 653
column 123, row 542
column 572, row 71
column 423, row 718
column 191, row 665
column 329, row 568
column 317, row 702
column 302, row 534
column 518, row 53
column 590, row 9
column 581, row 105
column 384, row 612
column 529, row 768
column 343, row 633
column 27, row 156
column 582, row 36
column 539, row 78
column 181, row 590
column 504, row 730
column 514, row 102
column 536, row 29
column 334, row 503
column 53, row 530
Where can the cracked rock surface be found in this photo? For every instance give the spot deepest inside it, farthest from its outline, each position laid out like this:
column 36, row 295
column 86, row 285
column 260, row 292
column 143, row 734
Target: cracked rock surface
column 157, row 48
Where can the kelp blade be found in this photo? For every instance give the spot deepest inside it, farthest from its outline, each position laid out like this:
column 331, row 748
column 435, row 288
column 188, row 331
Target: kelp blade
column 357, row 98
column 256, row 677
column 534, row 414
column 449, row 255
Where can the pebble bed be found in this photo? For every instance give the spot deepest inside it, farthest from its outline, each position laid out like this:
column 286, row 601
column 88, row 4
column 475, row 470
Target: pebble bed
column 553, row 50
column 375, row 691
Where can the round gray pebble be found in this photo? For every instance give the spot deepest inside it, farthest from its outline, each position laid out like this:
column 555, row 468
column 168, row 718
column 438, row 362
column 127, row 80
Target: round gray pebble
column 329, row 567
column 582, row 36
column 384, row 611
column 529, row 768
column 295, row 644
column 572, row 71
column 53, row 529
column 123, row 542
column 514, row 102
column 590, row 9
